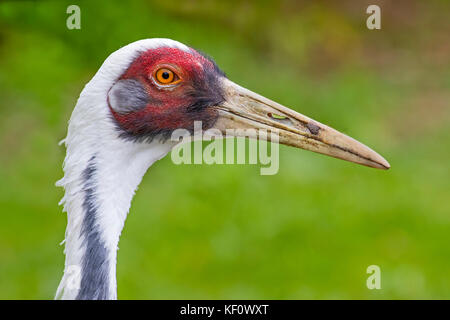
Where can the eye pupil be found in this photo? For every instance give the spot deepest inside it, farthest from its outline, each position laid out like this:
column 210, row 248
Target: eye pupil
column 165, row 75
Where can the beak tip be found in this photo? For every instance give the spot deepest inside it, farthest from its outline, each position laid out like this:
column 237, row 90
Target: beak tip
column 382, row 164
column 386, row 165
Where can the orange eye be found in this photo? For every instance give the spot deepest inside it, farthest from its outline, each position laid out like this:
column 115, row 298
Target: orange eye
column 165, row 76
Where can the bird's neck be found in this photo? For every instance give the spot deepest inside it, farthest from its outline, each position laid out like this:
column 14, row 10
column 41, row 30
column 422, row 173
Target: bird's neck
column 98, row 193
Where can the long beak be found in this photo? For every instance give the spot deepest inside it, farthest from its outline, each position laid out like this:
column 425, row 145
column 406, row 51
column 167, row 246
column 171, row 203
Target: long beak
column 244, row 109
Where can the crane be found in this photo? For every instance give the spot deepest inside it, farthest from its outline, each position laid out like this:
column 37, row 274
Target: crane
column 120, row 127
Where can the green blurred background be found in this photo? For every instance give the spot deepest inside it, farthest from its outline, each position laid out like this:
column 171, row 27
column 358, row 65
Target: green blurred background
column 224, row 231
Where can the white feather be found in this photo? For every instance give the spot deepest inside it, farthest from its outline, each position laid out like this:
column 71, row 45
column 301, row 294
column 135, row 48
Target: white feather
column 121, row 164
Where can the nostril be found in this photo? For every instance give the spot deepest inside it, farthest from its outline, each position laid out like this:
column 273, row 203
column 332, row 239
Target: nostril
column 276, row 116
column 313, row 128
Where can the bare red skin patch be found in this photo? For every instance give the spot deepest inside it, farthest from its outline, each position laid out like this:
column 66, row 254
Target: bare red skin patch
column 177, row 107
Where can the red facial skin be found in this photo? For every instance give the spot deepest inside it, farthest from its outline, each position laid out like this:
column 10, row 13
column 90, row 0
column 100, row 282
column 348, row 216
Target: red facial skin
column 168, row 107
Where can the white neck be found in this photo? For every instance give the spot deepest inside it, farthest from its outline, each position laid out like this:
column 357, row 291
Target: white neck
column 97, row 201
column 101, row 173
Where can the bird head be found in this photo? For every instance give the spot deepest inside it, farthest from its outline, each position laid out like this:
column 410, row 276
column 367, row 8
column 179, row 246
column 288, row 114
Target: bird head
column 169, row 86
column 165, row 89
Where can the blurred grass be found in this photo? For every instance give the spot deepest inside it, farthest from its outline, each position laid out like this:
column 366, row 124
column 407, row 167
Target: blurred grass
column 308, row 232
